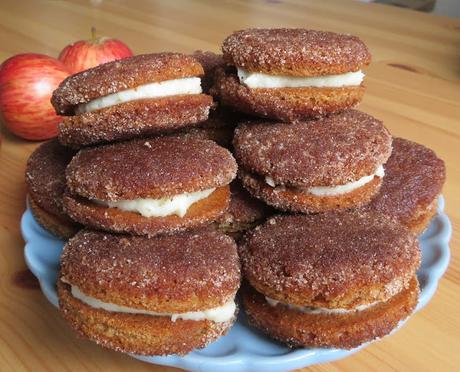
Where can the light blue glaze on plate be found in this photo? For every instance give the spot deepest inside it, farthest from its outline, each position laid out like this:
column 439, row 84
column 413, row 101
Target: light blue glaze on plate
column 243, row 348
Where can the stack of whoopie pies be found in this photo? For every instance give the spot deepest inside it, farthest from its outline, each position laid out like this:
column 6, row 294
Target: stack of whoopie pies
column 136, row 170
column 142, row 182
column 340, row 270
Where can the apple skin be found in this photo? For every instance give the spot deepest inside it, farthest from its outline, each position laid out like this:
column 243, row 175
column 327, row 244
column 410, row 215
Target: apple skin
column 84, row 54
column 27, row 82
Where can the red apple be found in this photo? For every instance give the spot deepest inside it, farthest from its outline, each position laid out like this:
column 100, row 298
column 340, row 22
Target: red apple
column 85, row 54
column 27, row 82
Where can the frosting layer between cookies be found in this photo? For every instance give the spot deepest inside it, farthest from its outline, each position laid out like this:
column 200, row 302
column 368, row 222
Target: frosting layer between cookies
column 177, row 204
column 218, row 314
column 261, row 80
column 339, row 189
column 191, row 85
column 318, row 310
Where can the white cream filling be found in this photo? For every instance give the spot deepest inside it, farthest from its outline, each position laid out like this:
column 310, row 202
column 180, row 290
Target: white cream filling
column 340, row 189
column 218, row 314
column 165, row 88
column 318, row 310
column 178, row 204
column 261, row 80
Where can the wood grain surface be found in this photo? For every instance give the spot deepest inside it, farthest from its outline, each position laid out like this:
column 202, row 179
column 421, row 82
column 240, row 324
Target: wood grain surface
column 413, row 86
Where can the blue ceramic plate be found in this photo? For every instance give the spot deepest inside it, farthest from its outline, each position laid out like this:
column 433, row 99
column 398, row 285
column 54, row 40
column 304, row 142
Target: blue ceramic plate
column 243, row 348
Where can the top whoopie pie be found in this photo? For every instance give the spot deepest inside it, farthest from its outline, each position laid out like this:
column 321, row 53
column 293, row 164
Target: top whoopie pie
column 331, row 163
column 148, row 187
column 45, row 179
column 291, row 74
column 414, row 177
column 139, row 95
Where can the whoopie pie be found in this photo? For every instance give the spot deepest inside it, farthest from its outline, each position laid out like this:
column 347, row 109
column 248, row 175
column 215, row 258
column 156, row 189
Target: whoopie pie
column 150, row 186
column 334, row 279
column 291, row 74
column 336, row 162
column 133, row 97
column 151, row 296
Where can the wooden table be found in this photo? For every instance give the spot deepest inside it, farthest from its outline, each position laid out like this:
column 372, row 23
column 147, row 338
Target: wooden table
column 413, row 86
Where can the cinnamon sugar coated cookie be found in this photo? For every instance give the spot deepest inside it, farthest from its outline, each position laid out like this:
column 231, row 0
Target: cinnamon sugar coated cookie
column 151, row 296
column 291, row 74
column 148, row 187
column 219, row 127
column 45, row 179
column 136, row 96
column 244, row 212
column 336, row 162
column 413, row 182
column 330, row 280
column 210, row 62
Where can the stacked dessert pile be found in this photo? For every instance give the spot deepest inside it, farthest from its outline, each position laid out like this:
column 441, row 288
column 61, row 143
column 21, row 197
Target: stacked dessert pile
column 149, row 273
column 141, row 167
column 343, row 273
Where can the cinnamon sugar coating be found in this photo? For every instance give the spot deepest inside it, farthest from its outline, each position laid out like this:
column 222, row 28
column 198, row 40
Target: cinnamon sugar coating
column 45, row 176
column 219, row 126
column 291, row 199
column 330, row 151
column 284, row 104
column 61, row 226
column 134, row 119
column 344, row 331
column 295, row 52
column 189, row 271
column 244, row 211
column 331, row 260
column 203, row 212
column 414, row 177
column 210, row 62
column 119, row 75
column 137, row 333
column 149, row 168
